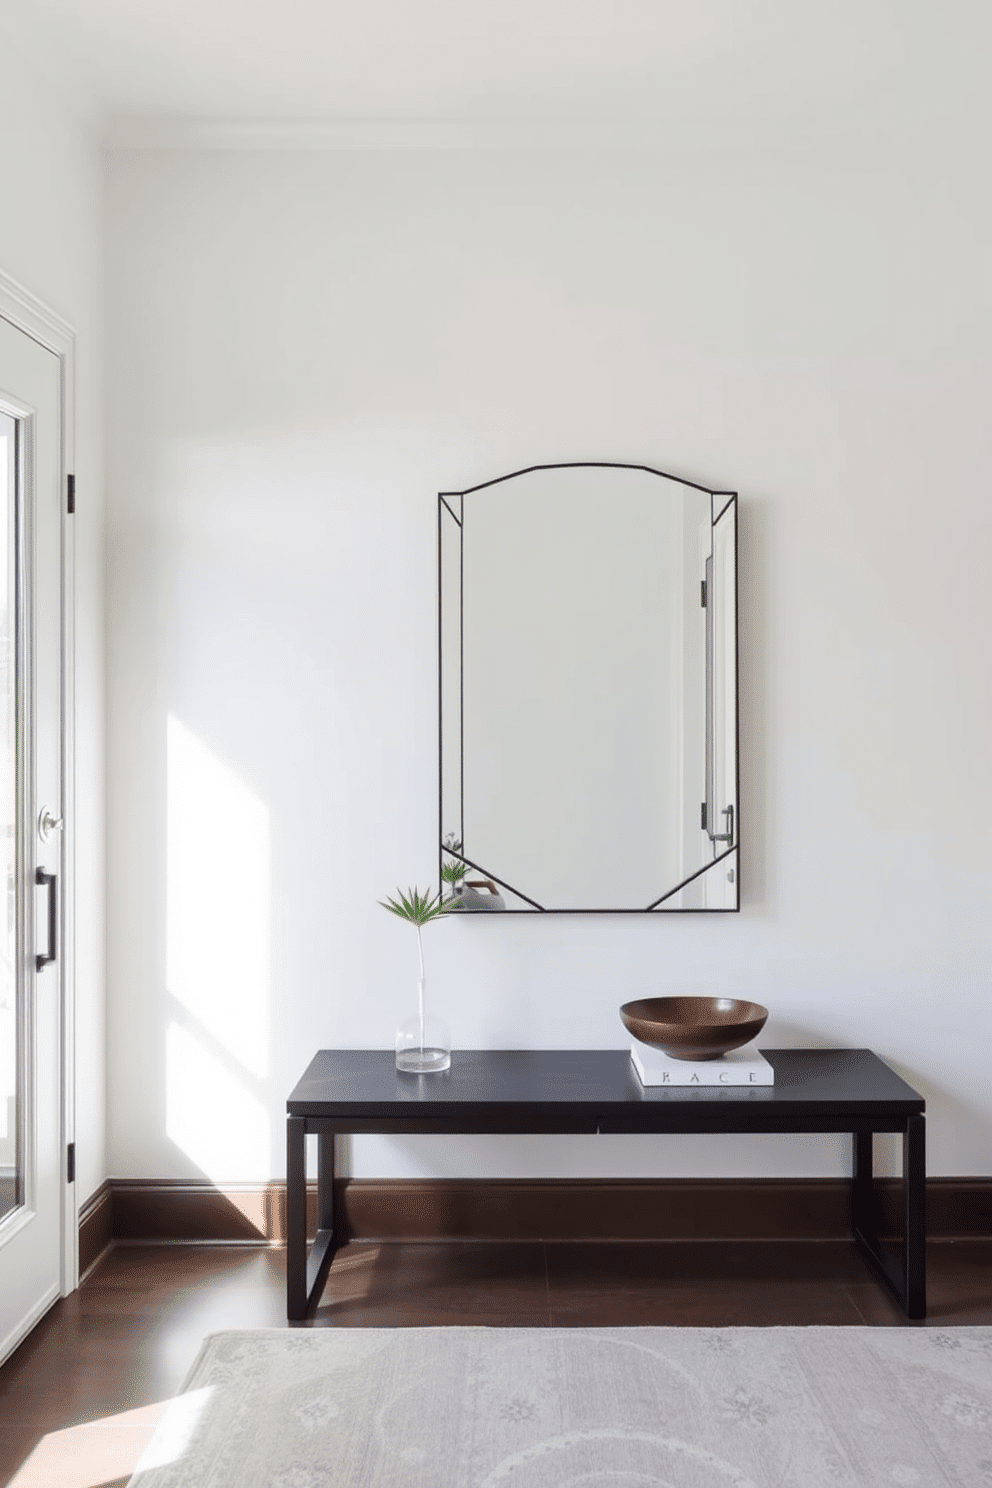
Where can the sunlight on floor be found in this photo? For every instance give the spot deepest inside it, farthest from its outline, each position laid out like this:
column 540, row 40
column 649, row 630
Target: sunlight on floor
column 93, row 1453
column 97, row 1453
column 218, row 963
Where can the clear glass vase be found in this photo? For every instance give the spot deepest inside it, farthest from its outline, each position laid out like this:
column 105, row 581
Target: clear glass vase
column 423, row 1044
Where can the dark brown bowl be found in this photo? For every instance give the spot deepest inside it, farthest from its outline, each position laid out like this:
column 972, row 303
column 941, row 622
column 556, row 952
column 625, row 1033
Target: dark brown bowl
column 693, row 1027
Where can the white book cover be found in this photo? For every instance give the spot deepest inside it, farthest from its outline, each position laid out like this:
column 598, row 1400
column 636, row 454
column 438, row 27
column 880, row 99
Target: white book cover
column 746, row 1066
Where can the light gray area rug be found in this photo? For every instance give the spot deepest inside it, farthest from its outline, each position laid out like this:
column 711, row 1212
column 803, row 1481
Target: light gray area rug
column 581, row 1408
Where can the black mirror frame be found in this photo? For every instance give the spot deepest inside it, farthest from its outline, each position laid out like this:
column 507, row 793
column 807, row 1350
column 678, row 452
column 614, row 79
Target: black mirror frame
column 721, row 502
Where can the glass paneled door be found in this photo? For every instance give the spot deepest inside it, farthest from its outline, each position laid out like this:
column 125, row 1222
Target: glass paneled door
column 11, row 985
column 33, row 1116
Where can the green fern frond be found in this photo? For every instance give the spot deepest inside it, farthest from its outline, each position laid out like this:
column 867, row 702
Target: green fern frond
column 418, row 908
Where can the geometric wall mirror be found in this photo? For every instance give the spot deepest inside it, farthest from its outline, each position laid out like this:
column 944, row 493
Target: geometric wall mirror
column 588, row 692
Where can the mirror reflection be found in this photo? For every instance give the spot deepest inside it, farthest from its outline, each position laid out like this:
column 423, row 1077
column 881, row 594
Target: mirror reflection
column 588, row 692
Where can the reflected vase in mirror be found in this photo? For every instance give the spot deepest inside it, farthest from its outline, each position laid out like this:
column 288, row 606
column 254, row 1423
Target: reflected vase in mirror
column 469, row 895
column 588, row 692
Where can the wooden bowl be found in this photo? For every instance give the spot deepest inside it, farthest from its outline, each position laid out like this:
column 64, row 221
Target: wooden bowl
column 694, row 1027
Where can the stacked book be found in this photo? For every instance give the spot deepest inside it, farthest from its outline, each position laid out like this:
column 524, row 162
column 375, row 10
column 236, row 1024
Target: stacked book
column 747, row 1066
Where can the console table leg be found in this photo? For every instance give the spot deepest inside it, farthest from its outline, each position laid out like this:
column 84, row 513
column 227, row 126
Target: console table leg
column 325, row 1181
column 907, row 1281
column 296, row 1218
column 862, row 1185
column 914, row 1182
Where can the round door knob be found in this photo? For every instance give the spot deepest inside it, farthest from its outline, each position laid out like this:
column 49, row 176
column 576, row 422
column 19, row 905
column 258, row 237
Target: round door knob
column 47, row 823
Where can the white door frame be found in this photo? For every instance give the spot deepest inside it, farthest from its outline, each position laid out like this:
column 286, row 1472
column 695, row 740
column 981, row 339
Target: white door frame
column 19, row 306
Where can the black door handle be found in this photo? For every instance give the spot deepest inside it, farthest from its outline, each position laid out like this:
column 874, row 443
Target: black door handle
column 48, row 880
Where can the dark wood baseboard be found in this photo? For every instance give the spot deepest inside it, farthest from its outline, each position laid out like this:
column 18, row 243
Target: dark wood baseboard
column 129, row 1210
column 96, row 1227
column 165, row 1210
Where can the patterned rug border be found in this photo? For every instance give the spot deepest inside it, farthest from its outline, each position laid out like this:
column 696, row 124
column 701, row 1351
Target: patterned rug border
column 848, row 1330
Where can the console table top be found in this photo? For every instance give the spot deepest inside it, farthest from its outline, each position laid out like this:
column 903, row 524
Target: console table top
column 365, row 1083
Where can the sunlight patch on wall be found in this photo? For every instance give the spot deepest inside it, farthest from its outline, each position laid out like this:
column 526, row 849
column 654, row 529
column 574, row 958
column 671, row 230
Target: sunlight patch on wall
column 218, row 962
column 211, row 1114
column 218, row 899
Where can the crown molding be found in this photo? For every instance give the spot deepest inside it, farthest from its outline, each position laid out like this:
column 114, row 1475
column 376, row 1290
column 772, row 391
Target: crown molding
column 674, row 142
column 138, row 133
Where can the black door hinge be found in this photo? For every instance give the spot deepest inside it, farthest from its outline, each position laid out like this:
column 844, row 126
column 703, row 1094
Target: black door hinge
column 70, row 1163
column 702, row 816
column 70, row 494
column 702, row 593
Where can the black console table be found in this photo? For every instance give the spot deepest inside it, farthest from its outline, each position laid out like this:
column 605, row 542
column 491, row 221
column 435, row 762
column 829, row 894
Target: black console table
column 530, row 1091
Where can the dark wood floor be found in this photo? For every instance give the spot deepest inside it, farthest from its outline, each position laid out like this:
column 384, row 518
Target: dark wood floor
column 112, row 1352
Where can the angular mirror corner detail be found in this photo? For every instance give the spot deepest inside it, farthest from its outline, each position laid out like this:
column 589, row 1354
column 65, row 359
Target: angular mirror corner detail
column 587, row 707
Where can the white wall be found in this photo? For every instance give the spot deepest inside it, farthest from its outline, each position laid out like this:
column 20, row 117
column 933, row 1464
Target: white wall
column 302, row 350
column 51, row 241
